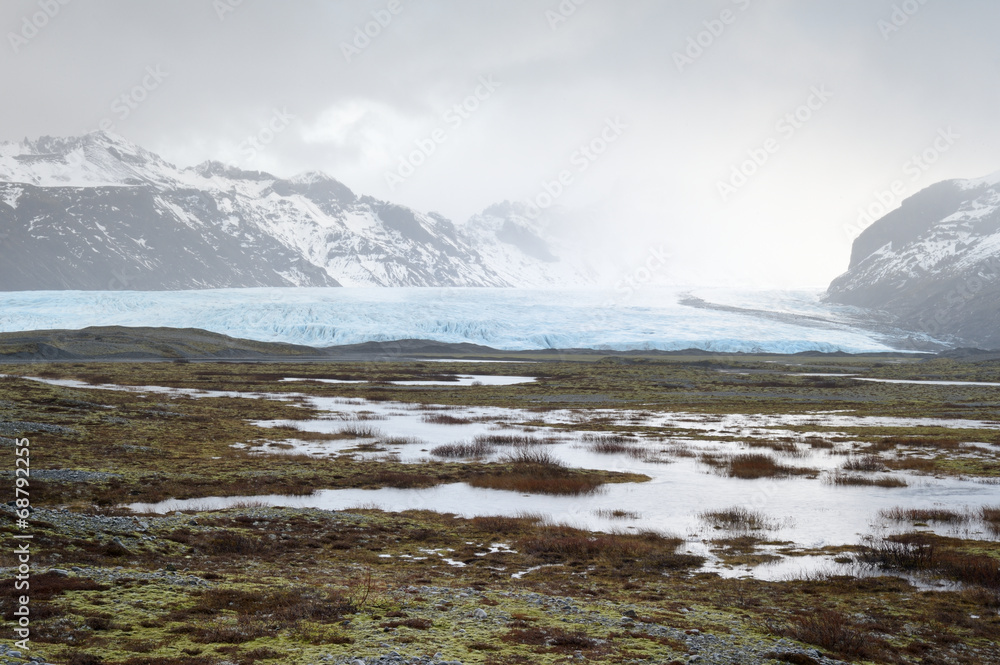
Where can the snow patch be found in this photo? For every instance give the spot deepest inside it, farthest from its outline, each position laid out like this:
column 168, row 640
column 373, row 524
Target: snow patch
column 12, row 195
column 991, row 180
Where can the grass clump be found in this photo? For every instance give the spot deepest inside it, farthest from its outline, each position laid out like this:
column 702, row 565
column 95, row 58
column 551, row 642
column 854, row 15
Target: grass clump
column 397, row 479
column 991, row 516
column 463, row 450
column 517, row 440
column 444, row 419
column 556, row 639
column 534, row 471
column 924, row 515
column 928, row 554
column 739, row 518
column 240, row 615
column 856, row 480
column 921, row 441
column 228, row 542
column 500, row 524
column 869, row 463
column 415, row 623
column 614, row 444
column 362, row 432
column 835, row 631
column 623, row 554
column 617, row 514
column 752, row 466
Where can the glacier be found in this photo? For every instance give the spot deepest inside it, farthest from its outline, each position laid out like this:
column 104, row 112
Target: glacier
column 508, row 319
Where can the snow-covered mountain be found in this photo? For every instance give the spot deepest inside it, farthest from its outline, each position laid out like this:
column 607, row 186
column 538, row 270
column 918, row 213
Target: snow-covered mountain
column 934, row 263
column 528, row 250
column 97, row 212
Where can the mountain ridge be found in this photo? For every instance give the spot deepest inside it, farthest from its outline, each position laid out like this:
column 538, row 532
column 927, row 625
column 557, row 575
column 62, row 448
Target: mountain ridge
column 933, row 263
column 97, row 212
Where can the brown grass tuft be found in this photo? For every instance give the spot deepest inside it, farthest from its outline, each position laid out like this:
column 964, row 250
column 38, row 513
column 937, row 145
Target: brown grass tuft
column 753, row 466
column 417, row 624
column 518, row 440
column 991, row 516
column 739, row 518
column 362, row 432
column 923, row 515
column 852, row 479
column 81, row 658
column 557, row 639
column 398, row 479
column 444, row 419
column 534, row 471
column 232, row 542
column 921, row 552
column 920, row 441
column 499, row 524
column 624, row 554
column 834, row 631
column 864, row 463
column 458, row 450
column 617, row 514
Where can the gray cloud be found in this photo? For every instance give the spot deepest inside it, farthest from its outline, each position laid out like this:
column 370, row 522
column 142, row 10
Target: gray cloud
column 657, row 182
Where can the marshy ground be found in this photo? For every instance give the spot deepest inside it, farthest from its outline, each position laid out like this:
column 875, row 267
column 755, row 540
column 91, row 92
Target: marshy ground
column 258, row 583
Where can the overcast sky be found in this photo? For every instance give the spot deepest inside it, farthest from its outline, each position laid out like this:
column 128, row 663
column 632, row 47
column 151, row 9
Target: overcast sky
column 670, row 96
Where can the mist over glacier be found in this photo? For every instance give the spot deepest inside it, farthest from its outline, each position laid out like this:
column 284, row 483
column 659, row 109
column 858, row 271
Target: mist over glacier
column 508, row 319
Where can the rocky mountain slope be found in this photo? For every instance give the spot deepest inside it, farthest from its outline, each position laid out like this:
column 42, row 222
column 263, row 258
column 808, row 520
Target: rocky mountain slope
column 934, row 263
column 97, row 212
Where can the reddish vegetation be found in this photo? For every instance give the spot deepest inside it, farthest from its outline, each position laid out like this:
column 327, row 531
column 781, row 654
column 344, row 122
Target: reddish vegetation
column 754, row 465
column 534, row 471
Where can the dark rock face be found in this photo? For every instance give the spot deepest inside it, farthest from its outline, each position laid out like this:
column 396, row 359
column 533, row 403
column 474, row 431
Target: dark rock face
column 129, row 238
column 934, row 263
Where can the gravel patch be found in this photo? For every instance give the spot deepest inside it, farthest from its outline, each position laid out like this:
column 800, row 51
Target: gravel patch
column 67, row 475
column 17, row 428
